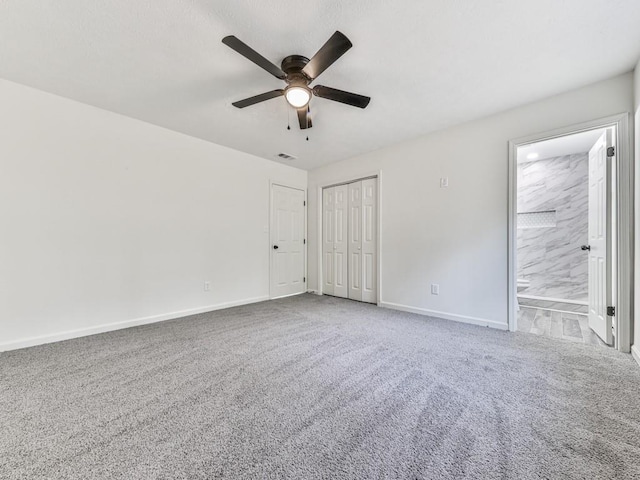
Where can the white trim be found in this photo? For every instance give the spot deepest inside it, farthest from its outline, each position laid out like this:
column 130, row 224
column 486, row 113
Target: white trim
column 512, row 238
column 347, row 182
column 109, row 327
column 624, row 210
column 550, row 299
column 624, row 244
column 635, row 352
column 483, row 322
column 306, row 232
column 341, row 181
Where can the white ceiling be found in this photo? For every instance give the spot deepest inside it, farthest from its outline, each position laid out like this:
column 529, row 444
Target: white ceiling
column 426, row 64
column 558, row 147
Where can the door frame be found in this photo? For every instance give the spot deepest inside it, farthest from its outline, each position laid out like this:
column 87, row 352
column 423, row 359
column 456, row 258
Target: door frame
column 319, row 224
column 303, row 188
column 623, row 201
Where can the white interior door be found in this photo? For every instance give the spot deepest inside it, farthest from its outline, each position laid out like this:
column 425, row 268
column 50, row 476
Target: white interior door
column 340, row 242
column 369, row 240
column 287, row 241
column 355, row 240
column 599, row 280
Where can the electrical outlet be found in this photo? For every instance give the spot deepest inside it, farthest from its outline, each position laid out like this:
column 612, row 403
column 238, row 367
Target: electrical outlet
column 207, row 286
column 444, row 182
column 435, row 289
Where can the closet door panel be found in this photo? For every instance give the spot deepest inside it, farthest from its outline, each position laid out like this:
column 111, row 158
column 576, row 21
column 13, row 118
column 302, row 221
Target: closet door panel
column 369, row 240
column 340, row 242
column 328, row 236
column 355, row 241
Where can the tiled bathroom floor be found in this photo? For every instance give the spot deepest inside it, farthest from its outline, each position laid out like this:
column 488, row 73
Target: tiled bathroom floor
column 566, row 326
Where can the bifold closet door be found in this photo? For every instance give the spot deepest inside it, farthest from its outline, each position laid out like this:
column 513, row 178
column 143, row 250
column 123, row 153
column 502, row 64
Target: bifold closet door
column 369, row 240
column 334, row 241
column 355, row 241
column 362, row 249
column 328, row 228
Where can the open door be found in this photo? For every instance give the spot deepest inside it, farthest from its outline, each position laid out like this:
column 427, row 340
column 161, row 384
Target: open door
column 598, row 247
column 287, row 241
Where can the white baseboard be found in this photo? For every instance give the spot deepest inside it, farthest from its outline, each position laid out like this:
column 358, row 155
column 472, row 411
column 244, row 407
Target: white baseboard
column 635, row 352
column 108, row 327
column 447, row 316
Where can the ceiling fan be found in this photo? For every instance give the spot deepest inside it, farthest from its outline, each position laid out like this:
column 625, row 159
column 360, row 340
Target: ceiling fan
column 298, row 72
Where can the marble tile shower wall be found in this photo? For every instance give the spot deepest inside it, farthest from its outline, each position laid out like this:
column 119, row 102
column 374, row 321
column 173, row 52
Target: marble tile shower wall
column 550, row 257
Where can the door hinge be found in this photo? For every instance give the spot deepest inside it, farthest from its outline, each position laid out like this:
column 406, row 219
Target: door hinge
column 304, row 241
column 304, row 203
column 611, row 311
column 611, row 151
column 304, row 279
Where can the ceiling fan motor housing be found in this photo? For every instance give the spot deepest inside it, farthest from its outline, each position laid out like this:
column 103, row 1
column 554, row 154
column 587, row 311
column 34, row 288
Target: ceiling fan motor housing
column 292, row 66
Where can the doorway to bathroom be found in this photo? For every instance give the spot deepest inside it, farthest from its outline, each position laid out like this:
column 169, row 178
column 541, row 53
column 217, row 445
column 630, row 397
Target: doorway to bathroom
column 565, row 236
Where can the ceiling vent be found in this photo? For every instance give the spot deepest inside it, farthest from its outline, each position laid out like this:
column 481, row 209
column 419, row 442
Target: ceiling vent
column 286, row 156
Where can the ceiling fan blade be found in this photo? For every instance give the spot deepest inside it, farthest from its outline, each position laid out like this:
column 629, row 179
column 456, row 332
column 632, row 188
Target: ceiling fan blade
column 303, row 118
column 331, row 51
column 341, row 96
column 258, row 98
column 248, row 52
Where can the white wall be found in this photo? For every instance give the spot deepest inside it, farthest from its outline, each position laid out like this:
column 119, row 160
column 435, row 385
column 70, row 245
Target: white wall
column 636, row 347
column 106, row 219
column 457, row 237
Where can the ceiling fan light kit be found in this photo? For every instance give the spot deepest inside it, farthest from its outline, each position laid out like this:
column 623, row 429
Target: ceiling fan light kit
column 297, row 96
column 298, row 72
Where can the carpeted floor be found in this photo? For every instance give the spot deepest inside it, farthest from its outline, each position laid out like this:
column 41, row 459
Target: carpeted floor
column 317, row 387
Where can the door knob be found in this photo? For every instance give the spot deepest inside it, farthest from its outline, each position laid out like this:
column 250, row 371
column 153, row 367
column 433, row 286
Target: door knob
column 275, row 247
column 585, row 247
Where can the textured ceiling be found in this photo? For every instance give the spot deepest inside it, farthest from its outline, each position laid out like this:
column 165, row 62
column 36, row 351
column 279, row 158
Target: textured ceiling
column 426, row 64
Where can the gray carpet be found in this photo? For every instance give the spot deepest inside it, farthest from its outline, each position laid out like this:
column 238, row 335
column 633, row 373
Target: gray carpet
column 317, row 387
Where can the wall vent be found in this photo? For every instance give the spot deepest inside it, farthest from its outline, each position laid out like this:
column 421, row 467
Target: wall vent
column 286, row 156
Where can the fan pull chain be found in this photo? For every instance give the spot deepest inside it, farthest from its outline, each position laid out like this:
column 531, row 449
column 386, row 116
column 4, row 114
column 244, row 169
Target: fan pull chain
column 288, row 119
